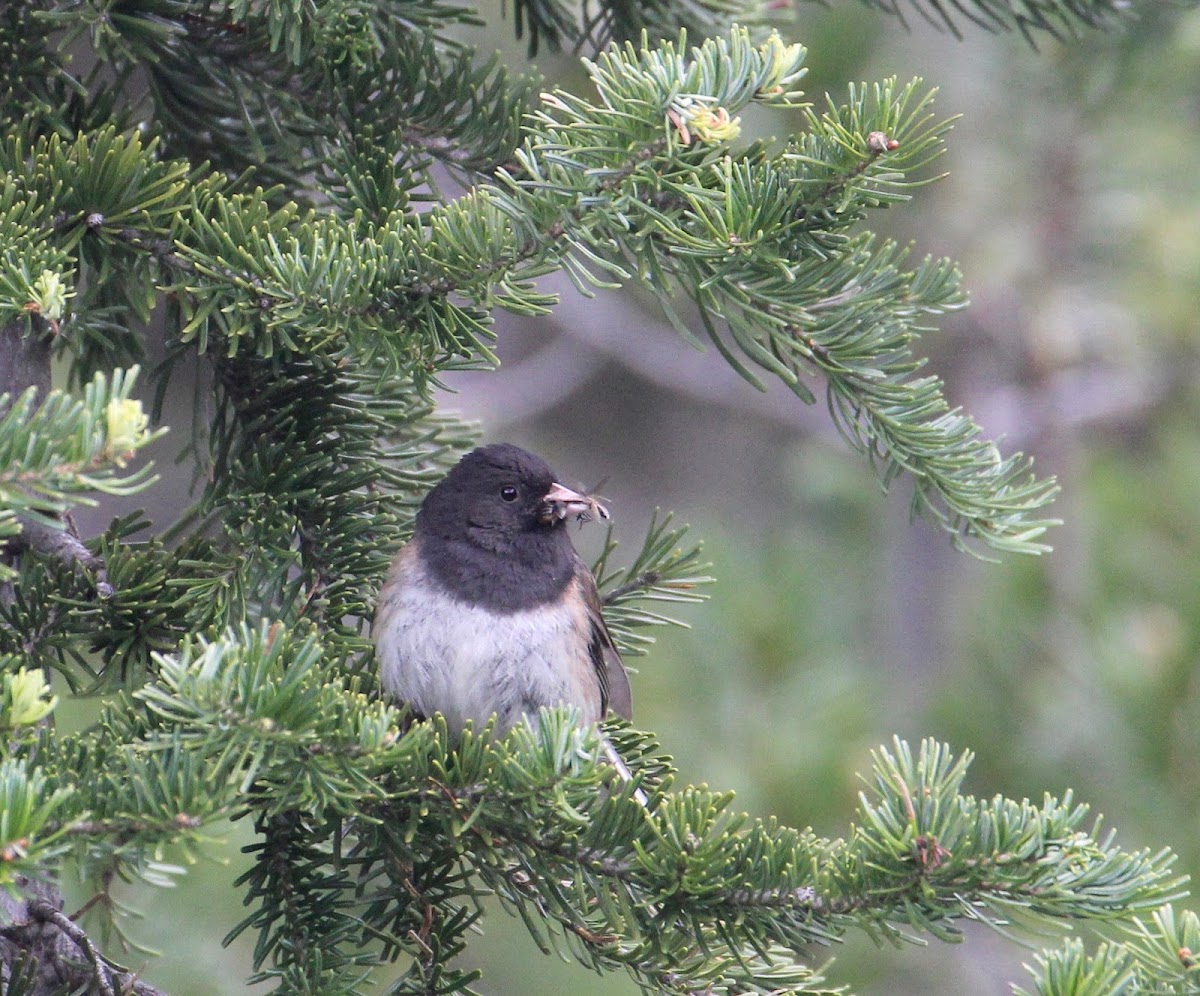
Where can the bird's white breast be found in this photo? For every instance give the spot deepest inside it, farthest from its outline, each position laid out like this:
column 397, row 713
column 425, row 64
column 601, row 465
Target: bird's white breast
column 444, row 655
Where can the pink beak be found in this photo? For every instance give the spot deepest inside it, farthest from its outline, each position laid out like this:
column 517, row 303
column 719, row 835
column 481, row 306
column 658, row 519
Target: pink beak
column 561, row 502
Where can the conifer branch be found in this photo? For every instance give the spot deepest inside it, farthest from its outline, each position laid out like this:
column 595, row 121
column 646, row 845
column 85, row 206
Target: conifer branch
column 326, row 303
column 1155, row 956
column 672, row 876
column 1060, row 19
column 761, row 258
column 662, row 571
column 61, row 451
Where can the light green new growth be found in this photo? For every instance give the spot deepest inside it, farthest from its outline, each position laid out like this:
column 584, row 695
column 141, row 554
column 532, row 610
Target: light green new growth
column 62, row 451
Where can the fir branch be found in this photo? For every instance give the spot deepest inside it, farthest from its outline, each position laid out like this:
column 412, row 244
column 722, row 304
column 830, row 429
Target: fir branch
column 693, row 855
column 301, row 901
column 679, row 891
column 412, row 96
column 1155, row 956
column 59, row 450
column 762, row 246
column 328, row 307
column 662, row 571
column 628, row 20
column 25, row 54
column 600, row 22
column 347, row 516
column 1060, row 19
column 62, row 452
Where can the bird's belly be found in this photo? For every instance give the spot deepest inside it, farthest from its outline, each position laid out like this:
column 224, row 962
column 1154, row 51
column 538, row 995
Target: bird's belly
column 443, row 655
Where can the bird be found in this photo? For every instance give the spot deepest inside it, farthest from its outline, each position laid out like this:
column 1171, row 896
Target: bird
column 488, row 610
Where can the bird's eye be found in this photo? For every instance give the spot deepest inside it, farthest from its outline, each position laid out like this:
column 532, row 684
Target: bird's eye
column 508, row 493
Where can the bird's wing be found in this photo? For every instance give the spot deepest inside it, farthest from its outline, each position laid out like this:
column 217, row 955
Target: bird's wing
column 615, row 693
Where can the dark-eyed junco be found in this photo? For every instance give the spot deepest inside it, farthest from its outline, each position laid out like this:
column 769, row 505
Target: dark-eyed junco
column 488, row 609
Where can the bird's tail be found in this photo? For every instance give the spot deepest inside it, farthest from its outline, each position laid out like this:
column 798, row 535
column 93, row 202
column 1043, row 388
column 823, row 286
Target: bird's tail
column 617, row 762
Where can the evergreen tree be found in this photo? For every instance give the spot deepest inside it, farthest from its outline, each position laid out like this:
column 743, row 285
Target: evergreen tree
column 321, row 206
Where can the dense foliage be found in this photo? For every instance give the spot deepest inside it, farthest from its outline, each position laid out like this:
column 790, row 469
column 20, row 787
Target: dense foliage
column 321, row 208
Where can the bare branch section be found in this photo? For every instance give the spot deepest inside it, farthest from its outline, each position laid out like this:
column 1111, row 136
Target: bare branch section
column 24, row 360
column 58, row 954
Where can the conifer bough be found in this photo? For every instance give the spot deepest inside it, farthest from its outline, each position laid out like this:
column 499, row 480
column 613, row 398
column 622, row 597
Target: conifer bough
column 323, row 307
column 765, row 244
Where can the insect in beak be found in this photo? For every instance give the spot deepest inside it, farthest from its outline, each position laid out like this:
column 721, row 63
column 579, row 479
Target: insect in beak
column 561, row 502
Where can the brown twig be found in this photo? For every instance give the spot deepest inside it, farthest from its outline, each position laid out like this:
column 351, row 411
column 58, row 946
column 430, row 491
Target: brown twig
column 38, row 932
column 64, row 545
column 45, row 912
column 639, row 582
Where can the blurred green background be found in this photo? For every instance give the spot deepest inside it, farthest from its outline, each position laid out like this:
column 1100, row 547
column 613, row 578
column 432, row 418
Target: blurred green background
column 1073, row 206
